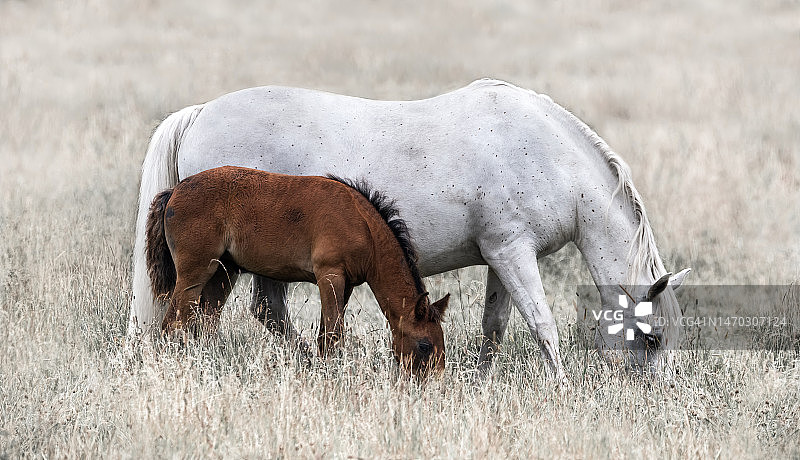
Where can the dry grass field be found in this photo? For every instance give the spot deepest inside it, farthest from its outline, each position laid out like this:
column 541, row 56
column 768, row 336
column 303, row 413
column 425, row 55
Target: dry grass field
column 700, row 97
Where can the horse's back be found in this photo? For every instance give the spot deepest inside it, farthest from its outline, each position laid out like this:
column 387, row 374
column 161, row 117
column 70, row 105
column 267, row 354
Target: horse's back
column 273, row 127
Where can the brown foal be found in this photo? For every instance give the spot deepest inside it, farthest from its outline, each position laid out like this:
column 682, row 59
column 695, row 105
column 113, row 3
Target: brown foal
column 329, row 231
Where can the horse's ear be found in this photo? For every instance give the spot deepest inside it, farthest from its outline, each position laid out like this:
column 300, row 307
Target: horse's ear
column 658, row 287
column 677, row 280
column 440, row 306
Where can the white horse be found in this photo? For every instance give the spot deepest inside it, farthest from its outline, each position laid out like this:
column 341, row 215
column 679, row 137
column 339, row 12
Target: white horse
column 488, row 174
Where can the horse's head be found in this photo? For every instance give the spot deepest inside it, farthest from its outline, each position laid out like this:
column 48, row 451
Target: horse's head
column 418, row 341
column 645, row 326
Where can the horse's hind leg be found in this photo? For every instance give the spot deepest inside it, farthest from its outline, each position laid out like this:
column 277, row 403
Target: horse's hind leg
column 269, row 306
column 495, row 320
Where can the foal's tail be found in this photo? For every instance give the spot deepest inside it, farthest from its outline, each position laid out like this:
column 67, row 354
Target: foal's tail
column 160, row 265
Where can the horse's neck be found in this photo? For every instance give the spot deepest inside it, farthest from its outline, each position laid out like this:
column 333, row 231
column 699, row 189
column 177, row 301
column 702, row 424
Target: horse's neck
column 607, row 234
column 606, row 230
column 390, row 278
column 606, row 255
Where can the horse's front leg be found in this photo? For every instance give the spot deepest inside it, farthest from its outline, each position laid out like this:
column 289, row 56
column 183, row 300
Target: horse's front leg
column 495, row 320
column 516, row 267
column 333, row 293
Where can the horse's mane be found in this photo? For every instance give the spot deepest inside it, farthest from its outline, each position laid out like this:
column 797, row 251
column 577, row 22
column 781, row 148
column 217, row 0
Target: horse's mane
column 387, row 208
column 645, row 258
column 643, row 255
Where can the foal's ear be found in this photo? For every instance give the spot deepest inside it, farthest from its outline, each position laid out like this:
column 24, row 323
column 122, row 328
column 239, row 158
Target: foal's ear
column 658, row 287
column 677, row 280
column 420, row 307
column 440, row 306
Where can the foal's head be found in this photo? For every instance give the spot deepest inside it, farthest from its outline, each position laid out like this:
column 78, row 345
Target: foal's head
column 418, row 341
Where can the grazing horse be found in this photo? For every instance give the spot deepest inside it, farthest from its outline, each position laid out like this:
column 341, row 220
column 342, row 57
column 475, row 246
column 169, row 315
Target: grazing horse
column 487, row 174
column 337, row 234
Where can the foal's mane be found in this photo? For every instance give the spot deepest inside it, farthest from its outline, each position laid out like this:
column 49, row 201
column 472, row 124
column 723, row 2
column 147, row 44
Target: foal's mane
column 387, row 208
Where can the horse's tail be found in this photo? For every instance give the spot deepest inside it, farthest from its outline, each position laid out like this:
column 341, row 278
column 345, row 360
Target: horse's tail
column 160, row 265
column 159, row 172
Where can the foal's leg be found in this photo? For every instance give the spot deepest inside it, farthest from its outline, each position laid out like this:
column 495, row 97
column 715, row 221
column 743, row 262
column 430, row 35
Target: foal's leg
column 215, row 293
column 192, row 277
column 182, row 311
column 495, row 320
column 333, row 293
column 516, row 267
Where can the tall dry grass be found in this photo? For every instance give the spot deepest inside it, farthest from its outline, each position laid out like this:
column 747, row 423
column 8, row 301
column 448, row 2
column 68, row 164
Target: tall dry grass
column 699, row 97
